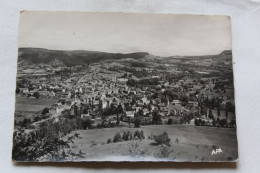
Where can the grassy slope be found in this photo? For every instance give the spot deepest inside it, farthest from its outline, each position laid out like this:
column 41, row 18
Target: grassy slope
column 33, row 104
column 195, row 144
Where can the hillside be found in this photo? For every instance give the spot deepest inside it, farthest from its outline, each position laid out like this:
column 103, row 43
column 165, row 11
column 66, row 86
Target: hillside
column 72, row 58
column 80, row 57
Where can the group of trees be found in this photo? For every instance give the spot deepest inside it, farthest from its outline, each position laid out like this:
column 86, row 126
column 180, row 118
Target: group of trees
column 30, row 146
column 127, row 136
column 216, row 123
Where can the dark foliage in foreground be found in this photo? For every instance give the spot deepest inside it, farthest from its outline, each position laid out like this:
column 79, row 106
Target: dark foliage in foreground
column 31, row 145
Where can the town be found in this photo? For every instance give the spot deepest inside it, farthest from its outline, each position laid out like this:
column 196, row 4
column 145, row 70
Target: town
column 189, row 91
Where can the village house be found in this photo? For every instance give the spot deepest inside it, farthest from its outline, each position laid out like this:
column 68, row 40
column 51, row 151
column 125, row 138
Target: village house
column 24, row 90
column 44, row 93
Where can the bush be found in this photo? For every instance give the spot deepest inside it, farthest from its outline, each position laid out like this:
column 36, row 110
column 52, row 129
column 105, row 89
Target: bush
column 112, row 125
column 139, row 134
column 151, row 137
column 36, row 95
column 142, row 135
column 26, row 122
column 127, row 136
column 87, row 124
column 45, row 116
column 162, row 139
column 223, row 122
column 170, row 121
column 37, row 118
column 137, row 122
column 99, row 126
column 109, row 141
column 198, row 122
column 45, row 111
column 175, row 121
column 117, row 138
column 164, row 152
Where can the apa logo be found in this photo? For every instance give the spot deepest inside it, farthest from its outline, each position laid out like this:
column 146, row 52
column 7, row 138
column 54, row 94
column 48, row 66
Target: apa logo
column 216, row 151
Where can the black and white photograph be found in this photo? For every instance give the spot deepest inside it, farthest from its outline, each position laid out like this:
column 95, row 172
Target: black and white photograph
column 120, row 87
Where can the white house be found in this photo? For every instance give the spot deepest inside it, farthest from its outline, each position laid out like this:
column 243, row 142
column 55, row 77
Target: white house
column 24, row 90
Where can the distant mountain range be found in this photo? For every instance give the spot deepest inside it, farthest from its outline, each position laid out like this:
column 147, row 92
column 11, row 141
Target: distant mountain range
column 80, row 57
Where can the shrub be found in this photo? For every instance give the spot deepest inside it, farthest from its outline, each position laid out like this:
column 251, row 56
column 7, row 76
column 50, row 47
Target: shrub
column 157, row 119
column 170, row 121
column 181, row 121
column 164, row 152
column 45, row 111
column 142, row 134
column 109, row 141
column 151, row 137
column 112, row 125
column 37, row 118
column 105, row 125
column 124, row 136
column 36, row 94
column 87, row 124
column 175, row 121
column 198, row 122
column 130, row 135
column 45, row 116
column 162, row 139
column 127, row 136
column 99, row 126
column 223, row 122
column 26, row 122
column 137, row 122
column 117, row 138
column 137, row 134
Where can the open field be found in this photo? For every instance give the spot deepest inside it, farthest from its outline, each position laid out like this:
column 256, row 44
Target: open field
column 29, row 104
column 194, row 144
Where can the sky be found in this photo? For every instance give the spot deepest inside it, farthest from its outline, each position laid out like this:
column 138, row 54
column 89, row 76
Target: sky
column 157, row 34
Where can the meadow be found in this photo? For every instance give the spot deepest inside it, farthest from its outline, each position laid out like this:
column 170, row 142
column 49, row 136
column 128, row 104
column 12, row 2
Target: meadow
column 188, row 143
column 30, row 104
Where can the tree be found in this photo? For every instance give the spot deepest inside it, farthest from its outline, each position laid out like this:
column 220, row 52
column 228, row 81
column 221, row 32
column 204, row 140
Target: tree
column 226, row 114
column 37, row 118
column 162, row 139
column 120, row 108
column 45, row 111
column 223, row 122
column 87, row 124
column 157, row 118
column 137, row 122
column 117, row 138
column 36, row 94
column 133, row 101
column 210, row 114
column 117, row 118
column 218, row 113
column 26, row 122
column 112, row 109
column 131, row 82
column 170, row 121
